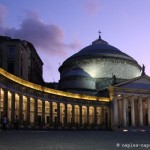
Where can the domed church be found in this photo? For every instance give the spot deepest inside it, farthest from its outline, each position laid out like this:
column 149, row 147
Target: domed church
column 100, row 87
column 95, row 67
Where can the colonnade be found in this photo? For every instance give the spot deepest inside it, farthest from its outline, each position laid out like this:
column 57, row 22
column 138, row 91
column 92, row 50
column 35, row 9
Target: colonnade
column 35, row 112
column 131, row 110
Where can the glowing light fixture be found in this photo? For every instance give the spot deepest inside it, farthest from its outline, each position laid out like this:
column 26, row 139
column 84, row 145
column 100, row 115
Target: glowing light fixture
column 125, row 130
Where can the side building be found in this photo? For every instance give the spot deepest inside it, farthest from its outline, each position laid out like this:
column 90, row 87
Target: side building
column 20, row 58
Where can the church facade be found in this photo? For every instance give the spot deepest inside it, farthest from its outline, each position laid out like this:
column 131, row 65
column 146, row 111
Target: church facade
column 100, row 87
column 131, row 103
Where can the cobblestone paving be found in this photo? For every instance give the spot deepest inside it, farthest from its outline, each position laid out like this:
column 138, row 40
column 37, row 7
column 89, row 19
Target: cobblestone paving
column 74, row 140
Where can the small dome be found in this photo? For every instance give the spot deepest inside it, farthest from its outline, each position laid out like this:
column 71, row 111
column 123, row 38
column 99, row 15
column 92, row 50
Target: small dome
column 77, row 72
column 77, row 78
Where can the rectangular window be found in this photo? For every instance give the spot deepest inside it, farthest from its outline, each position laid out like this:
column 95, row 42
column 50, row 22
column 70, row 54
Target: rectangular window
column 39, row 119
column 11, row 52
column 47, row 119
column 11, row 67
column 55, row 119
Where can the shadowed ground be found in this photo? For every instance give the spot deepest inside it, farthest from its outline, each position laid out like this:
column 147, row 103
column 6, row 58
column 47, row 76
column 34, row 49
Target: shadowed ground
column 74, row 140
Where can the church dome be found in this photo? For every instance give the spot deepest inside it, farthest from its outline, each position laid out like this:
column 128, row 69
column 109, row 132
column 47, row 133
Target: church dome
column 100, row 48
column 101, row 61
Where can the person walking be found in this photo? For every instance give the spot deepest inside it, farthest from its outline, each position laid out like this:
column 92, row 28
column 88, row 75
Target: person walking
column 16, row 122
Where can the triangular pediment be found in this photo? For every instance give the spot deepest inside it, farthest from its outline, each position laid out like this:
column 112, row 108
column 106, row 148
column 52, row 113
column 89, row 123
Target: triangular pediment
column 142, row 82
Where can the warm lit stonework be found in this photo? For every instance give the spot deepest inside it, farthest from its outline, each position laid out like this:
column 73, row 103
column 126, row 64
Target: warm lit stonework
column 41, row 107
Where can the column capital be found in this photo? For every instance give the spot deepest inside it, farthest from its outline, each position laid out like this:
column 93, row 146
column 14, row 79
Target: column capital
column 123, row 96
column 140, row 96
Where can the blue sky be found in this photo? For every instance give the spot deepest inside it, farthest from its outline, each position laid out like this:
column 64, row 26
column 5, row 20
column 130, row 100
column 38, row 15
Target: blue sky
column 60, row 28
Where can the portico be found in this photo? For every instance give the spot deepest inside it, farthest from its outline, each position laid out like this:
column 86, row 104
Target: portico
column 131, row 105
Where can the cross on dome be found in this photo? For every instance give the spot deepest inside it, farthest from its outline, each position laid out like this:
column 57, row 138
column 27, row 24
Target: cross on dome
column 99, row 34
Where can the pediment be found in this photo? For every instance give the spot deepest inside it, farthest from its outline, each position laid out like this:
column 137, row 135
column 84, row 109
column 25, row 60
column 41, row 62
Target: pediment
column 142, row 82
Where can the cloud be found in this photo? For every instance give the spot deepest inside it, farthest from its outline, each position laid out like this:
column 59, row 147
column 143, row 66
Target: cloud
column 48, row 38
column 91, row 6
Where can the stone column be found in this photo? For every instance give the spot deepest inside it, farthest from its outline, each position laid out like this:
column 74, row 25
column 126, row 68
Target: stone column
column 103, row 117
column 12, row 108
column 115, row 109
column 5, row 104
column 144, row 112
column 120, row 112
column 88, row 116
column 124, row 111
column 140, row 111
column 51, row 113
column 132, row 112
column 21, row 110
column 80, row 107
column 58, row 114
column 28, row 111
column 36, row 112
column 109, row 117
column 127, row 112
column 73, row 115
column 148, row 110
column 66, row 117
column 43, row 113
column 95, row 116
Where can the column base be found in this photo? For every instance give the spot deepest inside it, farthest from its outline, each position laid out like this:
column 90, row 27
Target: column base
column 96, row 128
column 116, row 129
column 36, row 127
column 74, row 128
column 7, row 126
column 44, row 127
column 59, row 128
column 66, row 127
column 52, row 127
column 21, row 126
column 29, row 127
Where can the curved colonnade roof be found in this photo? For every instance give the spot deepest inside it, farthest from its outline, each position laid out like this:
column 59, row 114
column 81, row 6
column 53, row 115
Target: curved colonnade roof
column 49, row 90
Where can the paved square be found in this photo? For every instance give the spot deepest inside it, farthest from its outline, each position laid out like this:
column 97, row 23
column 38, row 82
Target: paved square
column 74, row 140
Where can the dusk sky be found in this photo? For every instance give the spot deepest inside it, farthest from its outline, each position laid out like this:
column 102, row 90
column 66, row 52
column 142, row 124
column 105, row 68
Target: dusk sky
column 60, row 28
